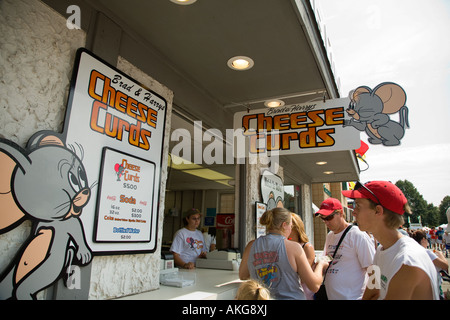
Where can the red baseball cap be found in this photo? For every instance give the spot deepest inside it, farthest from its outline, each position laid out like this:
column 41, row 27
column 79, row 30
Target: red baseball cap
column 329, row 206
column 384, row 193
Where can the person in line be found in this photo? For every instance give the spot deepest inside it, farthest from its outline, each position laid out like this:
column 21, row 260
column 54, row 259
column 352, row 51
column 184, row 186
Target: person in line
column 347, row 277
column 298, row 234
column 188, row 243
column 433, row 237
column 252, row 290
column 439, row 240
column 446, row 240
column 437, row 257
column 277, row 262
column 404, row 270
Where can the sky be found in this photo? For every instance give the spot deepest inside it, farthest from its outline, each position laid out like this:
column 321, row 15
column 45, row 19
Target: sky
column 405, row 42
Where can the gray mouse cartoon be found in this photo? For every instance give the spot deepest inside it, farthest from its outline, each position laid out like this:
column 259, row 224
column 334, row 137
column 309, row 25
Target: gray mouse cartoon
column 47, row 184
column 370, row 110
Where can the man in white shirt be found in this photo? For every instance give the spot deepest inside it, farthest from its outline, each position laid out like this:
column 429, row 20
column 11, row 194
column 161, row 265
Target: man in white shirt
column 346, row 276
column 402, row 268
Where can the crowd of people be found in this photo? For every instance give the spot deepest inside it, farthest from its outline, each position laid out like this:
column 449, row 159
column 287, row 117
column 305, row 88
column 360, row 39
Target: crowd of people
column 373, row 258
column 367, row 260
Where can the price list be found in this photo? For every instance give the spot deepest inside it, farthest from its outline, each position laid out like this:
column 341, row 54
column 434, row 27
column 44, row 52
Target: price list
column 125, row 198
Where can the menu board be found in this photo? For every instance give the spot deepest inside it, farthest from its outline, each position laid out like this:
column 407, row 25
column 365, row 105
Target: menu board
column 109, row 109
column 125, row 198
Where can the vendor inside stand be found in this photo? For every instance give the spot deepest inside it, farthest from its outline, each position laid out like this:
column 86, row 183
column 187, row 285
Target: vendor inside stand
column 188, row 243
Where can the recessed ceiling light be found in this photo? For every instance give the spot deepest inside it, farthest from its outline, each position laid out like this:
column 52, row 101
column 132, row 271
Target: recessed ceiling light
column 321, row 163
column 328, row 172
column 240, row 63
column 275, row 103
column 183, row 2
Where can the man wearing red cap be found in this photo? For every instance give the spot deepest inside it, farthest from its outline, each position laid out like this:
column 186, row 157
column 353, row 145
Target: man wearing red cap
column 346, row 276
column 404, row 269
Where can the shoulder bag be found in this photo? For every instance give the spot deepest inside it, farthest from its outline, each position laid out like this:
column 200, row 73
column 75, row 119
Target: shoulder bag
column 321, row 294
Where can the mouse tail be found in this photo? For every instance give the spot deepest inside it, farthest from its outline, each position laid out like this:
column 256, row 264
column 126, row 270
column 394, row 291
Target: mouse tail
column 404, row 112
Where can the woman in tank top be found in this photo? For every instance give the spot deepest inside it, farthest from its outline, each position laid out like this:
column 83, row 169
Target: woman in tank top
column 279, row 263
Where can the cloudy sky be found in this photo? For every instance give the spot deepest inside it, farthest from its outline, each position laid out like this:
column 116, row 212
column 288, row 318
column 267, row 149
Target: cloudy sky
column 406, row 42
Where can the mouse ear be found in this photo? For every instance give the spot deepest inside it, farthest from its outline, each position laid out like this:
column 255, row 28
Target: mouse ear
column 10, row 214
column 392, row 95
column 51, row 140
column 44, row 138
column 354, row 94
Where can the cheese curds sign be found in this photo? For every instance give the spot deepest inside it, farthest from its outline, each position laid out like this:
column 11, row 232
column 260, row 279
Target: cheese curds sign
column 332, row 125
column 298, row 128
column 120, row 125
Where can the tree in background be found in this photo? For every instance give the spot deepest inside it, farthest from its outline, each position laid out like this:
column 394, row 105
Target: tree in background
column 430, row 215
column 445, row 203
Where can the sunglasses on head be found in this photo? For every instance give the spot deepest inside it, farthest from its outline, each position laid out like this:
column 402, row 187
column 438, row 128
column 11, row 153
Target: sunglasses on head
column 359, row 185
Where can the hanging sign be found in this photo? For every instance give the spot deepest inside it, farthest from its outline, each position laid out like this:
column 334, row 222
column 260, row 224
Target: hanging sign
column 370, row 111
column 298, row 128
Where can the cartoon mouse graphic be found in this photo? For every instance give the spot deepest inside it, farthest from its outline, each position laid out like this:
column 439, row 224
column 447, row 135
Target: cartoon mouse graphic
column 370, row 110
column 47, row 184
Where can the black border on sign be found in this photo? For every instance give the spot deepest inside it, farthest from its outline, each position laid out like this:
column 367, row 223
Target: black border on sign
column 73, row 81
column 99, row 193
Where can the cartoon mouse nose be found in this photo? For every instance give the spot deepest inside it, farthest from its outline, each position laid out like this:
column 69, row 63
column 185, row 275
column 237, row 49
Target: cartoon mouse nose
column 82, row 198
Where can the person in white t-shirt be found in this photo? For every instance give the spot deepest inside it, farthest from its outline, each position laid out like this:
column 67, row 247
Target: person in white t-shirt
column 346, row 276
column 188, row 243
column 402, row 269
column 439, row 261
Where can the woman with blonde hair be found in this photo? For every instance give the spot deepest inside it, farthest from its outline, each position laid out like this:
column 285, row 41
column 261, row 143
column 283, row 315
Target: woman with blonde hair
column 298, row 234
column 279, row 263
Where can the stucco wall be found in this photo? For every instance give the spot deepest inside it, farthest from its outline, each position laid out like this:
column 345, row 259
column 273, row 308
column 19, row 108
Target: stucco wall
column 37, row 53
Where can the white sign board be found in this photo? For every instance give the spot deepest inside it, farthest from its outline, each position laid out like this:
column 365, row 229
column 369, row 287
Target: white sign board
column 298, row 128
column 108, row 109
column 272, row 190
column 124, row 211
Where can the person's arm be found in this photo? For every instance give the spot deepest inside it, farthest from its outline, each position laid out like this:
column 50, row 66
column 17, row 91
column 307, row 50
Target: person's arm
column 180, row 263
column 440, row 262
column 310, row 253
column 371, row 294
column 409, row 283
column 312, row 278
column 244, row 273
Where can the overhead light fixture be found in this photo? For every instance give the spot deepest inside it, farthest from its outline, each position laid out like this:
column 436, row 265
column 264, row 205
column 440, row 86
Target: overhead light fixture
column 328, row 172
column 275, row 103
column 321, row 163
column 183, row 2
column 240, row 63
